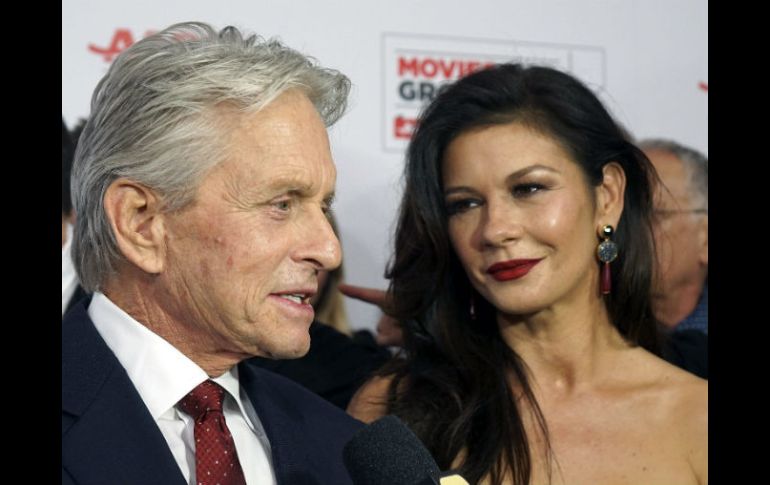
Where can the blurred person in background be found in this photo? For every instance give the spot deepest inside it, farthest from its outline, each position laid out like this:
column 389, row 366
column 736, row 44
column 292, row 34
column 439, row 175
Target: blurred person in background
column 680, row 226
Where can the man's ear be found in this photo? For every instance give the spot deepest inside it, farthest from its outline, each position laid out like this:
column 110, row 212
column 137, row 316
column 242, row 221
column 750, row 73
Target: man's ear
column 134, row 212
column 610, row 195
column 703, row 241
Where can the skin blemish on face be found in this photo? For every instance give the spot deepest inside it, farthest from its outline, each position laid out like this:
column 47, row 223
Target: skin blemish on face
column 229, row 261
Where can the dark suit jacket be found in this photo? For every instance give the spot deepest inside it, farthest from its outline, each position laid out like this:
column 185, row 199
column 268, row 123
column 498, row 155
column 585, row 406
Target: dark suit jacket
column 109, row 436
column 79, row 294
column 688, row 349
column 334, row 367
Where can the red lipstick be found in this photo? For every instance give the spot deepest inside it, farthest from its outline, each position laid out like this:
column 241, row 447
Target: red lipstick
column 511, row 270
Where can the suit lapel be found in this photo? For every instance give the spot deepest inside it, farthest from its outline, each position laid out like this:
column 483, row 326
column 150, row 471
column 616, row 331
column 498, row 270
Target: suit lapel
column 108, row 435
column 282, row 426
column 79, row 294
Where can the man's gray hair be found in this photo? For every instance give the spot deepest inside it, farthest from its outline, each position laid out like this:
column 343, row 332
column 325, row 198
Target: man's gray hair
column 696, row 164
column 153, row 121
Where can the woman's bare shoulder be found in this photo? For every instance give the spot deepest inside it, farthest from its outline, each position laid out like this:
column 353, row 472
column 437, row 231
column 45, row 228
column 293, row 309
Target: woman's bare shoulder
column 683, row 397
column 369, row 403
column 646, row 367
column 690, row 416
column 661, row 411
column 683, row 394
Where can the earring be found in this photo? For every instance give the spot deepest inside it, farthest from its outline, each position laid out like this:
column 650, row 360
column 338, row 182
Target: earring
column 606, row 251
column 473, row 307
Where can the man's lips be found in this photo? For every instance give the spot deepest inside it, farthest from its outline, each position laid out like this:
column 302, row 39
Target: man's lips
column 295, row 304
column 512, row 269
column 297, row 296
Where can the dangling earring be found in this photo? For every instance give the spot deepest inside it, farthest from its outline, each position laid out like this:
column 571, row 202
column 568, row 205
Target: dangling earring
column 473, row 307
column 606, row 251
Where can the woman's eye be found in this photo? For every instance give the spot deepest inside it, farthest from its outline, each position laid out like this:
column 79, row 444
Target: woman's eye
column 524, row 190
column 460, row 206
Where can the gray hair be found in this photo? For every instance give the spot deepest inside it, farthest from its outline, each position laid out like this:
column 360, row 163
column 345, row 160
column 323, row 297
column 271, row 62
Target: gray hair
column 152, row 120
column 695, row 163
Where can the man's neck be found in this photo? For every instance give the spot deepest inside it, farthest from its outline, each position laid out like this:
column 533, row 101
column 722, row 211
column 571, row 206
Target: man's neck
column 199, row 346
column 676, row 304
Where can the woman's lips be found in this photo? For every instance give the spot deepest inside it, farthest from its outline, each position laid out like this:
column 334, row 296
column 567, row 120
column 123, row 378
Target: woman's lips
column 511, row 270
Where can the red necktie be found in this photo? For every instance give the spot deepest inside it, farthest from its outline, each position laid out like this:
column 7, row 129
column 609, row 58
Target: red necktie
column 216, row 461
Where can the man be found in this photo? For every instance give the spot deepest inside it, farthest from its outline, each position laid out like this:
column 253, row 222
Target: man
column 201, row 184
column 680, row 293
column 680, row 290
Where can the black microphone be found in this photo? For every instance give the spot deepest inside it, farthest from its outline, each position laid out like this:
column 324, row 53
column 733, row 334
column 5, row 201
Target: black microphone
column 386, row 452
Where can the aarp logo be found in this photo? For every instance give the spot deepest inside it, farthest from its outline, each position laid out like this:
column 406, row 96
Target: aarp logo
column 121, row 40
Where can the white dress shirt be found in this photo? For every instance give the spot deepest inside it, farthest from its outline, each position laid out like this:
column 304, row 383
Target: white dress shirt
column 163, row 376
column 69, row 279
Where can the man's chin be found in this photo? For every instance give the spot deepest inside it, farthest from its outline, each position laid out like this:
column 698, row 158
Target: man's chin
column 293, row 350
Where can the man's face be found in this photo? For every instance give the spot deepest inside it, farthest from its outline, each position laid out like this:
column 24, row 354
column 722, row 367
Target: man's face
column 243, row 259
column 682, row 251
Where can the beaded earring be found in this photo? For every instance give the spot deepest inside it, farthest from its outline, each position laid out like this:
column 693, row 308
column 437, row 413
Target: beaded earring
column 606, row 251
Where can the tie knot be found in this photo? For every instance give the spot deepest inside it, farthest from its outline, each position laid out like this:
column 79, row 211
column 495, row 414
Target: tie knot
column 207, row 396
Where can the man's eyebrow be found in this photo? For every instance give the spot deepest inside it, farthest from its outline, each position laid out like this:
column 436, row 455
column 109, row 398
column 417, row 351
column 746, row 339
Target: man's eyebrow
column 244, row 193
column 292, row 184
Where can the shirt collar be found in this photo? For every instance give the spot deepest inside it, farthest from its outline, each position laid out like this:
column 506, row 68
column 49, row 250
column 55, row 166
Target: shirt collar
column 229, row 381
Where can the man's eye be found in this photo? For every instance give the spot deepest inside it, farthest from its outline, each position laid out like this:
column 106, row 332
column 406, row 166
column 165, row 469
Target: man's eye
column 282, row 205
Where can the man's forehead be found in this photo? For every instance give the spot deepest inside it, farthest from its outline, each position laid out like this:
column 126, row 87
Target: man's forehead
column 271, row 177
column 283, row 147
column 671, row 171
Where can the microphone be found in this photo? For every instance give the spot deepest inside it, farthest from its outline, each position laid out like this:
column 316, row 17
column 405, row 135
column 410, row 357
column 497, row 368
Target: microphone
column 386, row 452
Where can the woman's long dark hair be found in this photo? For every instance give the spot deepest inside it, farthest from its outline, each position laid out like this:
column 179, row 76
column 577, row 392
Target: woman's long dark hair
column 453, row 384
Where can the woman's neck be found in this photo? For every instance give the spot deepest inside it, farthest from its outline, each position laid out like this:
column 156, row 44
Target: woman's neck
column 565, row 346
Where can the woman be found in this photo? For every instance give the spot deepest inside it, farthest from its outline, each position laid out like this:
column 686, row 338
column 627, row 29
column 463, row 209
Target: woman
column 527, row 358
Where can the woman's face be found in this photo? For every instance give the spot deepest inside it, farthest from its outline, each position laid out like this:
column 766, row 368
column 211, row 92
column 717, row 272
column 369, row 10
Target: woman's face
column 522, row 218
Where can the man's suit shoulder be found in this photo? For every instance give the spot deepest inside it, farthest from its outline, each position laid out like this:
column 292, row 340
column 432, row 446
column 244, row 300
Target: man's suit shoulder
column 298, row 401
column 307, row 434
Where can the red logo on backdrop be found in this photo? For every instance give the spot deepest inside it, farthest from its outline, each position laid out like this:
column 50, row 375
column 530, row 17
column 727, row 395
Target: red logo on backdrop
column 421, row 78
column 703, row 86
column 417, row 67
column 404, row 127
column 120, row 41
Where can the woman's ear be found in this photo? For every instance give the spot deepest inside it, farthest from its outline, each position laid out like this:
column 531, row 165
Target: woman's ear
column 134, row 212
column 610, row 195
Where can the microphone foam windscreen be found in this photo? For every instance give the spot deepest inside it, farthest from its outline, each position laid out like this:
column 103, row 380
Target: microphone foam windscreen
column 386, row 452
